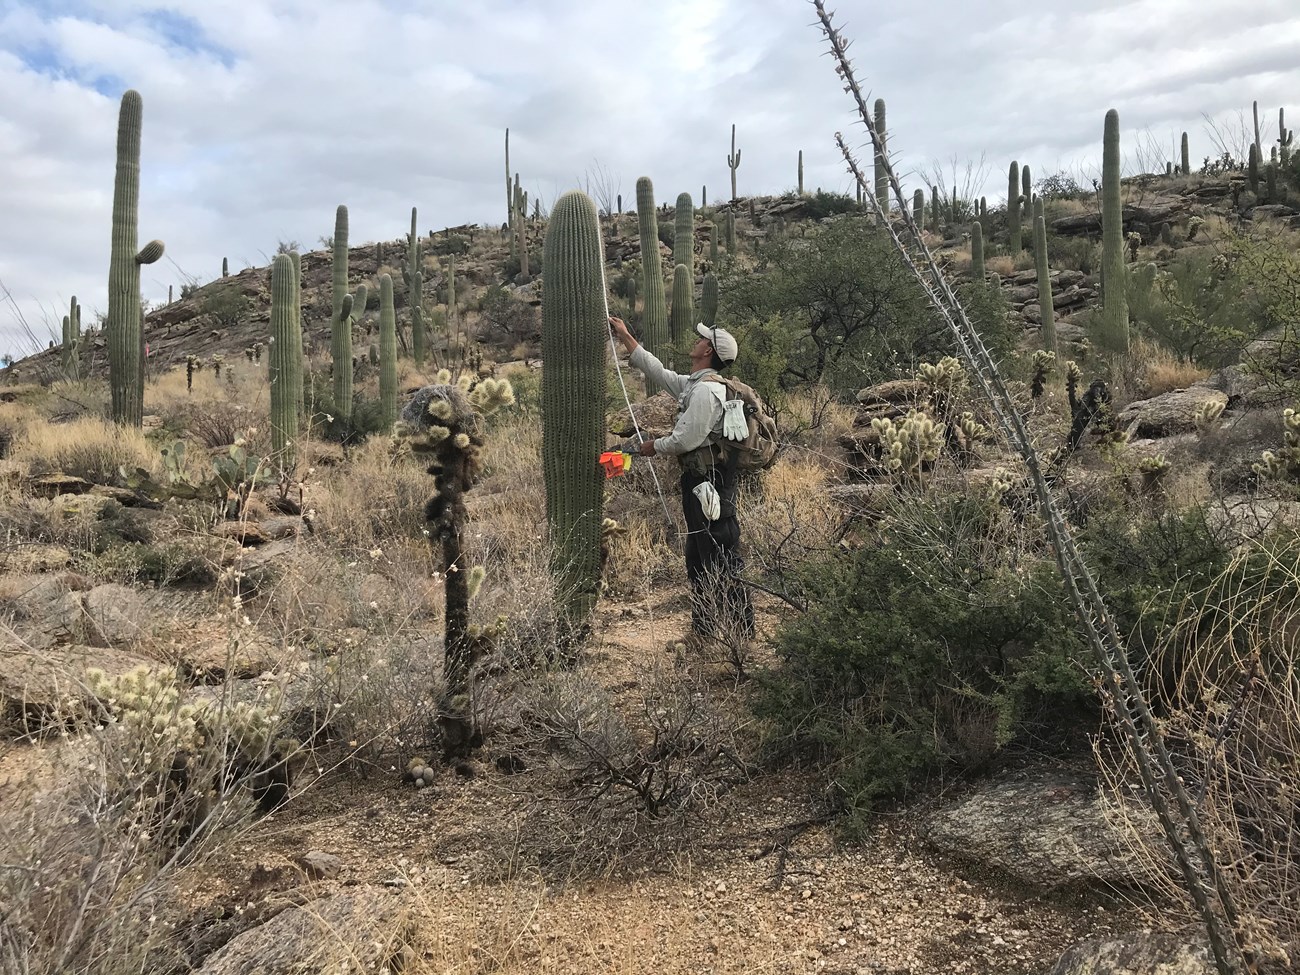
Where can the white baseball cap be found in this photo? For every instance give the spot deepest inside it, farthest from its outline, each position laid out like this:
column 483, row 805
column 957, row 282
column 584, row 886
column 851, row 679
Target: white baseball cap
column 724, row 343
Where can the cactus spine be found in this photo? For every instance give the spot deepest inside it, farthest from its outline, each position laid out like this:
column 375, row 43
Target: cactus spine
column 709, row 300
column 681, row 321
column 801, row 172
column 1044, row 282
column 124, row 327
column 684, row 234
column 574, row 337
column 1186, row 160
column 72, row 340
column 882, row 175
column 415, row 291
column 1013, row 208
column 733, row 162
column 284, row 345
column 387, row 352
column 341, row 319
column 654, row 319
column 977, row 251
column 1114, row 313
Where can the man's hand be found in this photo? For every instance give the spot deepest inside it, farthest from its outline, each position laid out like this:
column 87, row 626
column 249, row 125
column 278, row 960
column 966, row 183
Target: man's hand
column 619, row 328
column 647, row 449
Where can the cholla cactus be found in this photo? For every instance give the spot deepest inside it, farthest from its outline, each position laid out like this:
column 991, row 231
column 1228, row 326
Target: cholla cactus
column 908, row 448
column 1153, row 469
column 970, row 432
column 1283, row 464
column 1208, row 415
column 944, row 378
column 1043, row 363
column 999, row 484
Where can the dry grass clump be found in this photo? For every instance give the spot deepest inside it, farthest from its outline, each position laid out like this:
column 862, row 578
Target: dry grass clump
column 1231, row 693
column 89, row 447
column 1002, row 264
column 378, row 496
column 1150, row 369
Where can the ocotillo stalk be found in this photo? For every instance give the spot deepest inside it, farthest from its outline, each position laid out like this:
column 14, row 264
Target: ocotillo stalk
column 801, row 172
column 733, row 162
column 977, row 251
column 1114, row 312
column 684, row 234
column 1186, row 162
column 654, row 317
column 882, row 181
column 341, row 319
column 124, row 327
column 681, row 321
column 1044, row 284
column 387, row 352
column 709, row 300
column 575, row 337
column 296, row 306
column 284, row 344
column 1013, row 208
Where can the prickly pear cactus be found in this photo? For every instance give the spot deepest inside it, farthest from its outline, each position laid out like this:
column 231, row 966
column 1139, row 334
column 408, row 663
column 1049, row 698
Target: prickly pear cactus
column 574, row 336
column 124, row 327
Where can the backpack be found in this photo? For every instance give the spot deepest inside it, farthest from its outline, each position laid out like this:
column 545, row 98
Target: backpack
column 758, row 450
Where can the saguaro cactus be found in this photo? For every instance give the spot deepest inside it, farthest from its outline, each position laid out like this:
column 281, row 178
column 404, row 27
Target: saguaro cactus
column 72, row 340
column 654, row 318
column 1044, row 283
column 801, row 172
column 934, row 210
column 341, row 319
column 684, row 234
column 510, row 192
column 1114, row 312
column 731, row 232
column 225, row 268
column 415, row 290
column 1186, row 161
column 977, row 251
column 733, row 162
column 709, row 300
column 297, row 380
column 284, row 347
column 882, row 175
column 1026, row 186
column 713, row 243
column 575, row 334
column 1013, row 207
column 1252, row 170
column 681, row 321
column 124, row 325
column 1284, row 137
column 387, row 352
column 918, row 207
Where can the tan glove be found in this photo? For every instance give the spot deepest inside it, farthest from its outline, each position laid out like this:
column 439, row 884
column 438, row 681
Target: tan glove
column 710, row 500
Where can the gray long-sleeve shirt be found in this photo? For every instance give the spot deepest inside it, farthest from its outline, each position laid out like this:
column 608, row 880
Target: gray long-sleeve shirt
column 699, row 416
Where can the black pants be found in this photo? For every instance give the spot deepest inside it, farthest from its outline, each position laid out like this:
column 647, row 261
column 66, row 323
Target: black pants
column 713, row 560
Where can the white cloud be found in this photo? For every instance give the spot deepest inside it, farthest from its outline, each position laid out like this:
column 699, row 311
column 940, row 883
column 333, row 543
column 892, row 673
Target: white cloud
column 261, row 117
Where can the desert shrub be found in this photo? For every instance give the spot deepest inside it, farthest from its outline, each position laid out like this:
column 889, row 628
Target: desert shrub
column 227, row 305
column 165, row 563
column 839, row 307
column 1073, row 253
column 89, row 447
column 936, row 642
column 822, row 204
column 1061, row 186
column 508, row 319
column 378, row 496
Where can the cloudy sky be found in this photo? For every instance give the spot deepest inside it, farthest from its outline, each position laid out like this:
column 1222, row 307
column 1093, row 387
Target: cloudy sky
column 260, row 116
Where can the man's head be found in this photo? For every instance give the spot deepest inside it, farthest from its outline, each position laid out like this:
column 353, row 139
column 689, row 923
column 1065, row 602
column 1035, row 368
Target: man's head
column 715, row 349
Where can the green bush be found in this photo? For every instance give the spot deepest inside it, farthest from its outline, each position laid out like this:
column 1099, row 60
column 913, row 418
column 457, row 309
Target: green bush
column 1073, row 253
column 930, row 645
column 822, row 204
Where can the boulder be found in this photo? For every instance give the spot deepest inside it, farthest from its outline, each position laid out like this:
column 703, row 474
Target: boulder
column 46, row 688
column 1167, row 413
column 1047, row 830
column 895, row 391
column 44, row 610
column 52, row 485
column 1137, row 953
column 364, row 929
column 118, row 616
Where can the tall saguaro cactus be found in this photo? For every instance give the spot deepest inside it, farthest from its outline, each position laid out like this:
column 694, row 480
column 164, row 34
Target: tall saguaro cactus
column 72, row 340
column 977, row 251
column 575, row 334
column 285, row 381
column 684, row 233
column 709, row 300
column 1026, row 187
column 934, row 210
column 654, row 316
column 387, row 352
column 300, row 393
column 681, row 320
column 510, row 192
column 1284, row 139
column 733, row 162
column 882, row 178
column 341, row 319
column 124, row 325
column 801, row 172
column 918, row 207
column 1046, row 311
column 1114, row 309
column 415, row 291
column 1013, row 208
column 1186, row 162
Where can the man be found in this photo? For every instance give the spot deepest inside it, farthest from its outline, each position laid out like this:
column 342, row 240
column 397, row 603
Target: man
column 708, row 485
